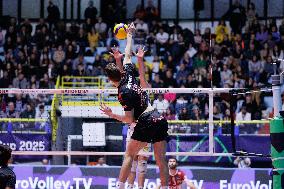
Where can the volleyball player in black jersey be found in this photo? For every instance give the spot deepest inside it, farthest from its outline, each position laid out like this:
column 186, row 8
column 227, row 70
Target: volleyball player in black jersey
column 7, row 176
column 139, row 163
column 151, row 127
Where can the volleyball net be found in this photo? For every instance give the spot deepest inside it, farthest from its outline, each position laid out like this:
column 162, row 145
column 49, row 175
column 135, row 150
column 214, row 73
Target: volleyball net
column 200, row 121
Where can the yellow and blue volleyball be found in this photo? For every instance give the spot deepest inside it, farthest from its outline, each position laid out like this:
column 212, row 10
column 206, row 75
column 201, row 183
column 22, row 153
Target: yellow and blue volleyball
column 119, row 31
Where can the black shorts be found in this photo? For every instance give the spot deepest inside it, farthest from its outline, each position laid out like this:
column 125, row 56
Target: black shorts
column 151, row 127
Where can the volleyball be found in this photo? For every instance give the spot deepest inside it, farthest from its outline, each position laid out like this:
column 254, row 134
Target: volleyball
column 119, row 31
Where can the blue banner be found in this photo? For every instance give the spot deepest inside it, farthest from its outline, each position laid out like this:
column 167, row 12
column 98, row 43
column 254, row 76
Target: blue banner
column 77, row 177
column 26, row 142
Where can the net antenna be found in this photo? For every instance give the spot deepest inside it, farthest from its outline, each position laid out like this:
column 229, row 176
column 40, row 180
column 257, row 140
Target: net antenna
column 211, row 61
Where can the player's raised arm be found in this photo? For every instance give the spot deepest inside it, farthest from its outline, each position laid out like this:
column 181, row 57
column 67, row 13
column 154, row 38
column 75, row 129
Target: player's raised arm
column 117, row 56
column 128, row 48
column 140, row 57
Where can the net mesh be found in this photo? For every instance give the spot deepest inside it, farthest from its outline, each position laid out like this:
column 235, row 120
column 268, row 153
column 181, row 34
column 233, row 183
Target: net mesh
column 53, row 119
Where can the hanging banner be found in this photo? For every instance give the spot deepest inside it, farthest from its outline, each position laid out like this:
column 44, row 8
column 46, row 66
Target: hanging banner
column 26, row 142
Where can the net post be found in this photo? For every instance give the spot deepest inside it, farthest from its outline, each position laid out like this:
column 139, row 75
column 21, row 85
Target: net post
column 277, row 104
column 69, row 143
column 211, row 123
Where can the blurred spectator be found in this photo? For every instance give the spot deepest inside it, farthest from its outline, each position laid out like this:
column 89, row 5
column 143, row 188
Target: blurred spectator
column 242, row 162
column 255, row 68
column 183, row 114
column 53, row 15
column 152, row 13
column 191, row 51
column 217, row 115
column 220, row 31
column 41, row 25
column 169, row 80
column 93, row 38
column 91, row 12
column 59, row 55
column 262, row 34
column 162, row 41
column 11, row 112
column 275, row 34
column 101, row 162
column 226, row 75
column 196, row 113
column 181, row 74
column 237, row 16
column 251, row 14
column 281, row 28
column 139, row 12
column 161, row 104
column 181, row 103
column 169, row 114
column 41, row 114
column 20, row 103
column 157, row 83
column 20, row 82
column 29, row 112
column 101, row 28
column 141, row 26
column 243, row 115
column 197, row 37
column 4, row 80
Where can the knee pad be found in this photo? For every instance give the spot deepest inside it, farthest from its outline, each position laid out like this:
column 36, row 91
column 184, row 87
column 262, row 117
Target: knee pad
column 142, row 166
column 134, row 166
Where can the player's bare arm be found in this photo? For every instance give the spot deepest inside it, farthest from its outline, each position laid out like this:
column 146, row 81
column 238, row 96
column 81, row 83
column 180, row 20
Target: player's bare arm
column 128, row 117
column 140, row 56
column 128, row 49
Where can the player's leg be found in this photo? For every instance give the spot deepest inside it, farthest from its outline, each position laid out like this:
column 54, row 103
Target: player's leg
column 142, row 169
column 160, row 149
column 132, row 150
column 132, row 175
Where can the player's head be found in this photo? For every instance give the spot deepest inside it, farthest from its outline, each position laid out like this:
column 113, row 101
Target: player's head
column 172, row 163
column 113, row 73
column 5, row 154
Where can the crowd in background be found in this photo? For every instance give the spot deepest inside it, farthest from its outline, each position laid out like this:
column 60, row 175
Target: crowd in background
column 240, row 55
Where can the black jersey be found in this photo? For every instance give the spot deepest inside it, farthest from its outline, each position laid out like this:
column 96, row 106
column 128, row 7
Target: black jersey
column 7, row 178
column 130, row 94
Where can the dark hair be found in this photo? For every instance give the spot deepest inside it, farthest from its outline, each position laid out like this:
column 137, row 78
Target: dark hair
column 113, row 72
column 172, row 157
column 5, row 154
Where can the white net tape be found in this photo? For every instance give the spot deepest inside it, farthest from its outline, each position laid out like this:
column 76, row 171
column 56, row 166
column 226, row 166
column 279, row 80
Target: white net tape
column 113, row 91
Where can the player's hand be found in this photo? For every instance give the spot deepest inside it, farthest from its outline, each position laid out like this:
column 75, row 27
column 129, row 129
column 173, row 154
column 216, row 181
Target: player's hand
column 115, row 53
column 131, row 28
column 106, row 110
column 141, row 52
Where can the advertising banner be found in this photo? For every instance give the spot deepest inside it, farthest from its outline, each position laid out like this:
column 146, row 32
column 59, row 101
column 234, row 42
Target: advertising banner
column 26, row 142
column 223, row 144
column 76, row 177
